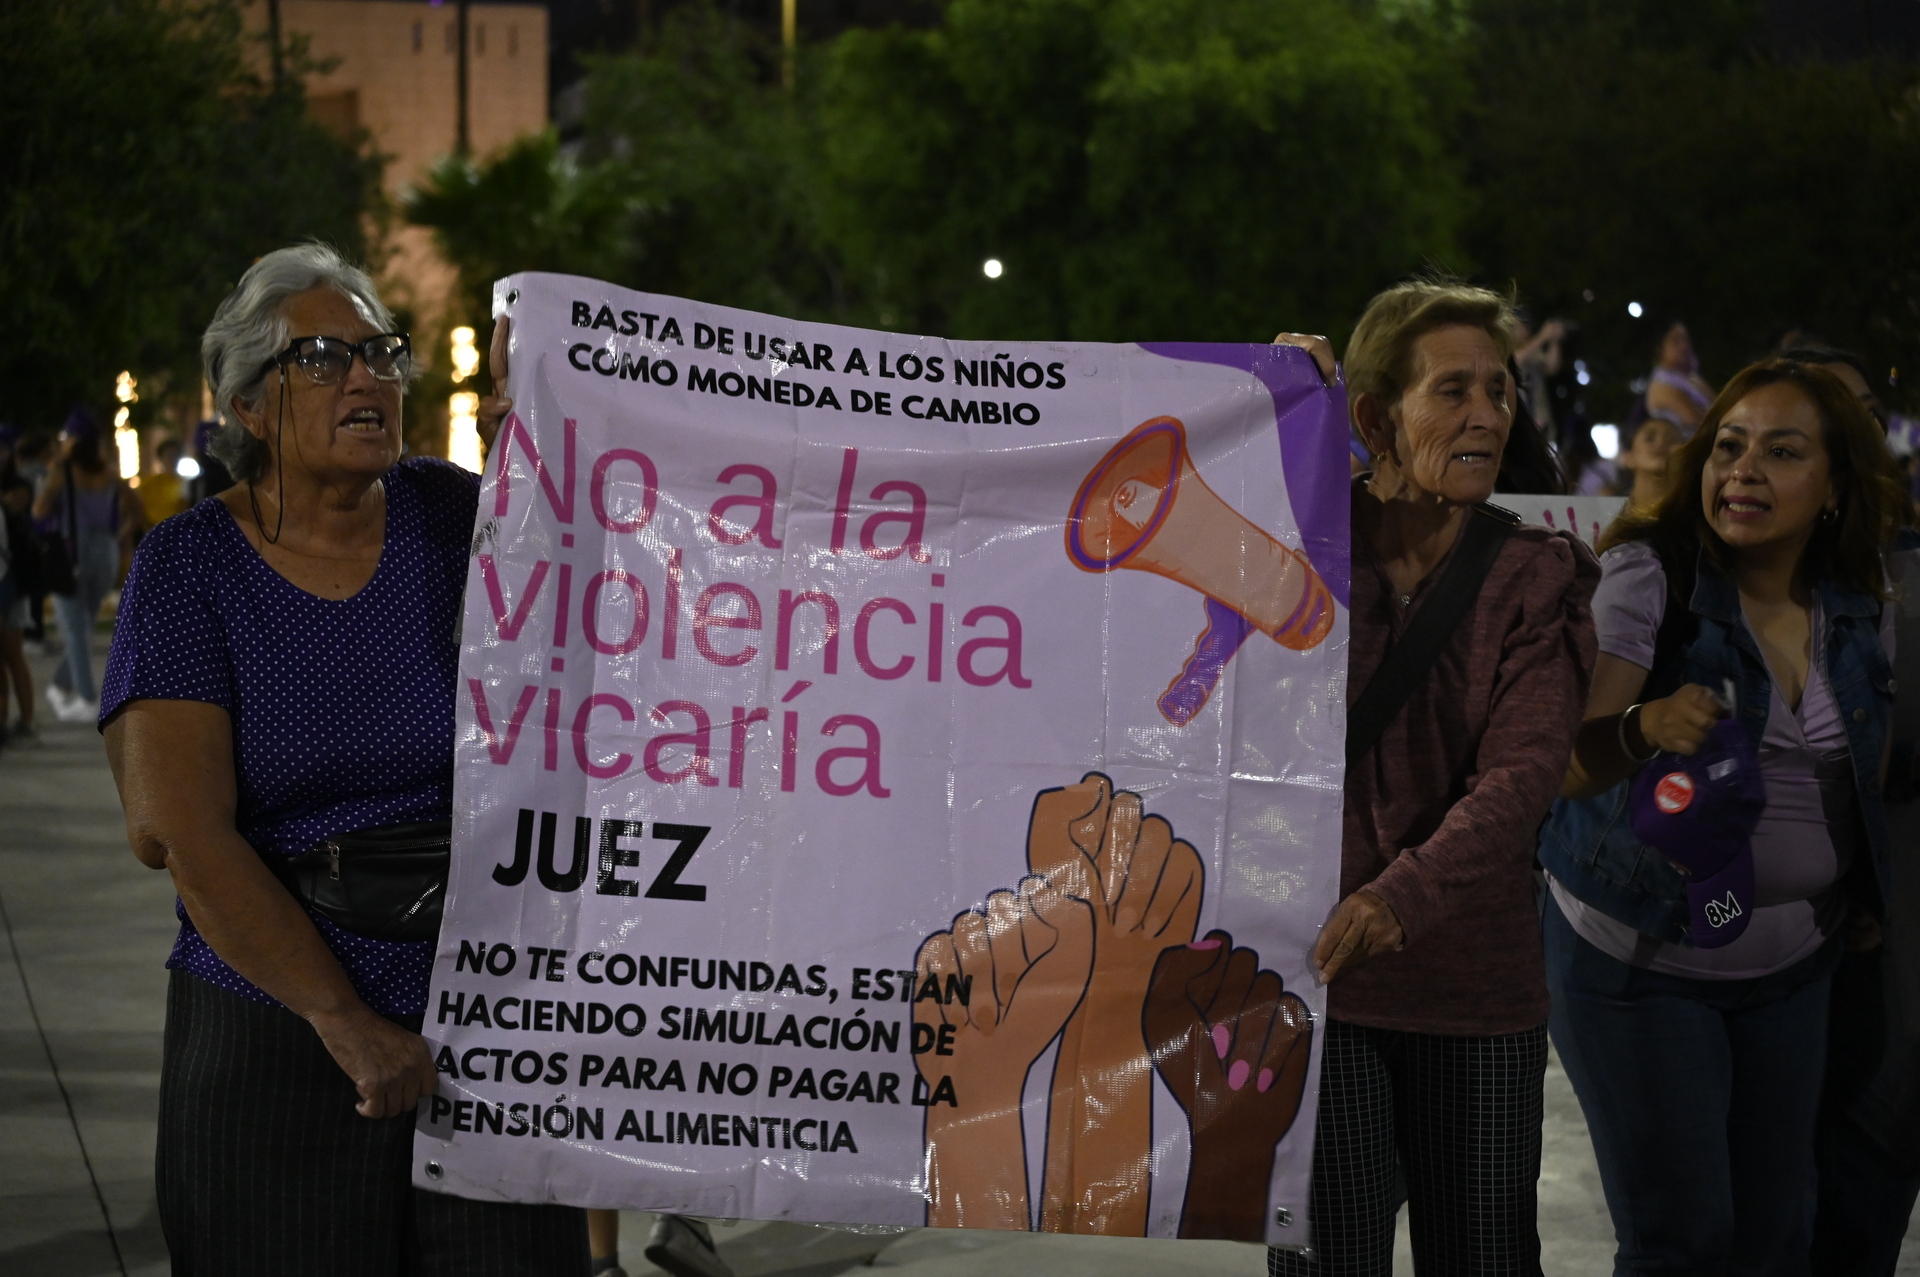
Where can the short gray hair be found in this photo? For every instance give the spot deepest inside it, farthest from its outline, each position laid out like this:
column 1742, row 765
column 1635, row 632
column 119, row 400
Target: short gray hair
column 250, row 327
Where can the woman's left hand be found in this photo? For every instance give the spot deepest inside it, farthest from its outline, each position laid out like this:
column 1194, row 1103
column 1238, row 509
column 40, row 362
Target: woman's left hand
column 495, row 407
column 1363, row 926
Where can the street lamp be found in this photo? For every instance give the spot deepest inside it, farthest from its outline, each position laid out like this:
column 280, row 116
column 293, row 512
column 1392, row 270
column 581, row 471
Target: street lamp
column 789, row 40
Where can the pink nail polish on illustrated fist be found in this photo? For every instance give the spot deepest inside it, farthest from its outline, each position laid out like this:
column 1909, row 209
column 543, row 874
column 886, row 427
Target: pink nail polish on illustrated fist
column 1222, row 1040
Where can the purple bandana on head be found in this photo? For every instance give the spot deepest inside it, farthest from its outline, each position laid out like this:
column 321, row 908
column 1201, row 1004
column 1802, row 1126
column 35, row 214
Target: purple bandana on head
column 1700, row 813
column 81, row 424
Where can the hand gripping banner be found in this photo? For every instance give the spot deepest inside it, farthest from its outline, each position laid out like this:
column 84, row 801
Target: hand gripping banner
column 898, row 779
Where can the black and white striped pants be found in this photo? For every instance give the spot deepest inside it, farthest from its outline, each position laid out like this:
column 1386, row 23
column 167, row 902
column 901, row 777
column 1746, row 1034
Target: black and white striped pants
column 264, row 1167
column 1459, row 1118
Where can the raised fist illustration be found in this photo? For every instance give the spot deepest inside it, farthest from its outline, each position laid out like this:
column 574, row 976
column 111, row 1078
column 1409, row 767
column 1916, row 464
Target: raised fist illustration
column 1143, row 887
column 1233, row 1047
column 1009, row 976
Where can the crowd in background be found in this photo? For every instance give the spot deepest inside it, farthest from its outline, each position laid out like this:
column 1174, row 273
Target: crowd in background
column 69, row 528
column 1630, row 459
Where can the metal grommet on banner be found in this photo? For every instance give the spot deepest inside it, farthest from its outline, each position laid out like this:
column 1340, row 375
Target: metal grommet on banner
column 434, row 1170
column 1283, row 1217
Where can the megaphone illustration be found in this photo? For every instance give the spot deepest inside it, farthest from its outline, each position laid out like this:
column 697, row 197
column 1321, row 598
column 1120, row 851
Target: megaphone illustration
column 1145, row 507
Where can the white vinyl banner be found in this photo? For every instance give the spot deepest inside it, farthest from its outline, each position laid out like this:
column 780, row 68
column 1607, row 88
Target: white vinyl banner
column 1585, row 517
column 898, row 779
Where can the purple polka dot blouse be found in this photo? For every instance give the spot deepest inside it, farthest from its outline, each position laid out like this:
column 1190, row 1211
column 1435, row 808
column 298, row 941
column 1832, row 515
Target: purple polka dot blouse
column 342, row 709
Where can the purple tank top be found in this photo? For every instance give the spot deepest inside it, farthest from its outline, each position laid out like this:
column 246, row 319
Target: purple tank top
column 95, row 510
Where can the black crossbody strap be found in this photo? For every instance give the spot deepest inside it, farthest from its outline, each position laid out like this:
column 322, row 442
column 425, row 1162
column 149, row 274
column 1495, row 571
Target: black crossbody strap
column 1409, row 661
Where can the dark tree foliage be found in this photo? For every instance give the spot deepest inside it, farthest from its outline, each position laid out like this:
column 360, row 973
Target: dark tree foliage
column 1662, row 154
column 1198, row 169
column 724, row 161
column 1187, row 169
column 1220, row 169
column 142, row 167
column 528, row 208
column 689, row 177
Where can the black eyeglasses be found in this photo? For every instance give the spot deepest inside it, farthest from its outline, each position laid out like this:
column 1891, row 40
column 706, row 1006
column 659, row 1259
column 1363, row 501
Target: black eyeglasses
column 325, row 360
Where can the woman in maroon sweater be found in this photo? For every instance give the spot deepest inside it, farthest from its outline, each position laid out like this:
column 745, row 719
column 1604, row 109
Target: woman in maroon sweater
column 1436, row 1045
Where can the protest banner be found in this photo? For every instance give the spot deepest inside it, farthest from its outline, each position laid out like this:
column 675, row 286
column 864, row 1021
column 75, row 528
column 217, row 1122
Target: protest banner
column 898, row 779
column 1586, row 517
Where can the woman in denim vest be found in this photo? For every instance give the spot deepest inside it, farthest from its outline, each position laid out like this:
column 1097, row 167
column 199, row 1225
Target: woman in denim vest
column 1754, row 590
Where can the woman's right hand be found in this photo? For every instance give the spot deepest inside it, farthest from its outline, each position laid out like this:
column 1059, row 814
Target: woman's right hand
column 390, row 1067
column 1679, row 723
column 1319, row 347
column 173, row 763
column 1361, row 927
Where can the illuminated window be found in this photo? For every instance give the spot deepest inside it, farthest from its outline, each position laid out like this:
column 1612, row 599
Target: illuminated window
column 463, row 406
column 463, row 431
column 126, row 441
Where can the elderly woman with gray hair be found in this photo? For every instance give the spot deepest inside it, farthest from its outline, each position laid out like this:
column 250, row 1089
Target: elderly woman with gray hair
column 282, row 676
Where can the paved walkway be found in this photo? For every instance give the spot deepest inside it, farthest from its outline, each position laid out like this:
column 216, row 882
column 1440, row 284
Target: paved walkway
column 81, row 1007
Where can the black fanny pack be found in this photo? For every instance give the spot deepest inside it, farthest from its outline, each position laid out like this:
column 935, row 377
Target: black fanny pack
column 386, row 884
